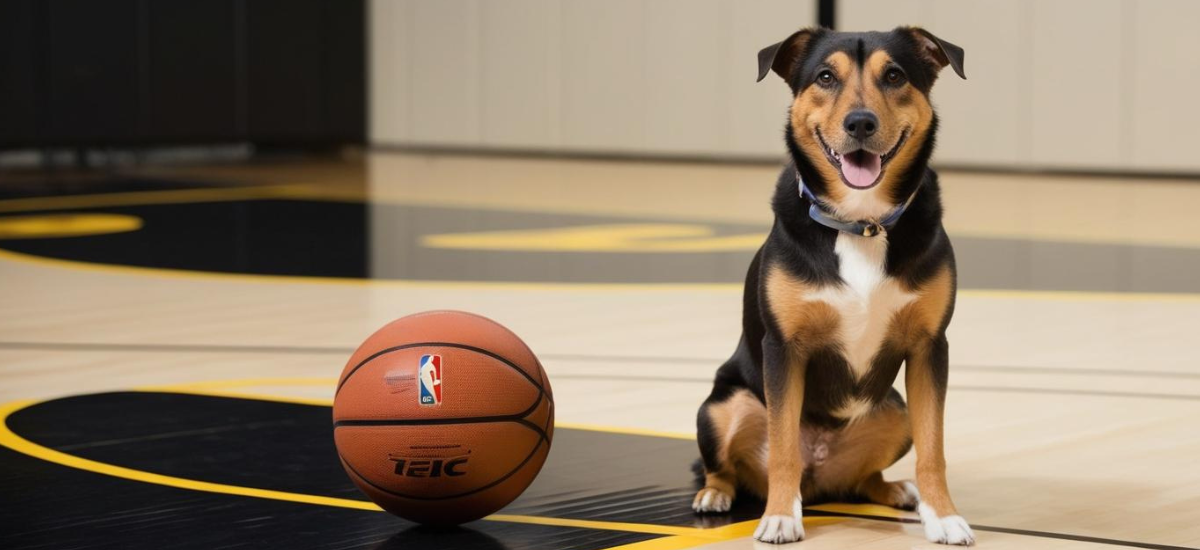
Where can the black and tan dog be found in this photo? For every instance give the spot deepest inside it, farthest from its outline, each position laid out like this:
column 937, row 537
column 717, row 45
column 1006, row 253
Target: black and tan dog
column 856, row 277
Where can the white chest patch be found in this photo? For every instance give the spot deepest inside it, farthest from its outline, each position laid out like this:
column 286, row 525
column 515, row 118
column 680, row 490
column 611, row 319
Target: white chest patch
column 866, row 301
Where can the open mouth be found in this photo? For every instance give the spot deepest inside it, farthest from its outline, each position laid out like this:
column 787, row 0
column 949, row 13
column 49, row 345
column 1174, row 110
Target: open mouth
column 860, row 169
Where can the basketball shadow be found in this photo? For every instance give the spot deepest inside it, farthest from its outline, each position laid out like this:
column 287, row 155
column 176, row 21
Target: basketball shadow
column 423, row 536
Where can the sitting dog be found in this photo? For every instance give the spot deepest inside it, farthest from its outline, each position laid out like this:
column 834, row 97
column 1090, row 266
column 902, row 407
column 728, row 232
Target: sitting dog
column 856, row 277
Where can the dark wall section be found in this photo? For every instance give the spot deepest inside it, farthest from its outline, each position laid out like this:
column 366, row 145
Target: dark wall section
column 192, row 86
column 18, row 67
column 92, row 70
column 144, row 72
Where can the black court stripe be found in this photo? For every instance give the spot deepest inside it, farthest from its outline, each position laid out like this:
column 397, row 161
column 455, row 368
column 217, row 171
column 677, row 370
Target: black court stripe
column 474, row 349
column 1011, row 531
column 518, row 419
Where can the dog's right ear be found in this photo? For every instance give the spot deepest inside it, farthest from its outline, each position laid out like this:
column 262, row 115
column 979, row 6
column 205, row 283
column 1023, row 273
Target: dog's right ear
column 782, row 57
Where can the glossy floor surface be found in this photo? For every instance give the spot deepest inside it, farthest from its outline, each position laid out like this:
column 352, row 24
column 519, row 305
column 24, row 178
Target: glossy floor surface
column 200, row 302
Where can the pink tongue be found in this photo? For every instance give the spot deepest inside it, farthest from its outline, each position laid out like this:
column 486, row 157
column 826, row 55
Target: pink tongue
column 861, row 168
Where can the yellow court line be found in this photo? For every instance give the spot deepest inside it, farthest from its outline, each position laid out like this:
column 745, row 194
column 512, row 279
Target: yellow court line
column 310, row 192
column 234, row 394
column 10, row 439
column 674, row 537
column 13, row 441
column 998, row 294
column 734, row 531
column 324, row 193
column 243, row 382
column 648, row 528
column 875, row 510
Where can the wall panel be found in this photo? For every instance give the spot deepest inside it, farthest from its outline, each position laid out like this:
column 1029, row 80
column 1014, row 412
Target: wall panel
column 519, row 73
column 757, row 111
column 1164, row 83
column 1077, row 98
column 684, row 87
column 986, row 118
column 1059, row 84
column 444, row 76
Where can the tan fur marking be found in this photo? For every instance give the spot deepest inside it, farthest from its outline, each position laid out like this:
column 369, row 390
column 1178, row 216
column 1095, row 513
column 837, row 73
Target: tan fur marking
column 898, row 112
column 887, row 493
column 921, row 319
column 807, row 324
column 865, row 446
column 812, row 109
column 740, row 423
column 926, row 402
column 915, row 327
column 874, row 98
column 785, row 464
column 926, row 409
column 720, row 482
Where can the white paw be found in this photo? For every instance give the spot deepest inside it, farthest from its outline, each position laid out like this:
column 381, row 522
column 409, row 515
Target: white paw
column 947, row 530
column 711, row 501
column 779, row 529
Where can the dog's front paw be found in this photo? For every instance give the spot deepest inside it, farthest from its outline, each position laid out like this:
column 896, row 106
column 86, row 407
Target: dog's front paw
column 779, row 528
column 712, row 501
column 945, row 530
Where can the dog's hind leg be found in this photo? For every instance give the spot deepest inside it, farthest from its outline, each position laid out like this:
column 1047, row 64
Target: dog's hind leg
column 852, row 465
column 732, row 435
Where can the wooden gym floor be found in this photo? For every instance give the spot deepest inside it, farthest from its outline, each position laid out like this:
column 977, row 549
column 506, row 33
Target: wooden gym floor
column 170, row 337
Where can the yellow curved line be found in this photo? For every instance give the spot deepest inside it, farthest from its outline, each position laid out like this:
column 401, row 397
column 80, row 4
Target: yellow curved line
column 56, row 226
column 10, row 439
column 13, row 441
column 674, row 538
column 627, row 238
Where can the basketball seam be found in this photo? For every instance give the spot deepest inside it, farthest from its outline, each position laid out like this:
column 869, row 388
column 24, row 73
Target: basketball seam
column 518, row 418
column 482, row 351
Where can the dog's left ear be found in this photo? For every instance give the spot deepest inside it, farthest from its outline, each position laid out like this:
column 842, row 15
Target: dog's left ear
column 782, row 56
column 938, row 51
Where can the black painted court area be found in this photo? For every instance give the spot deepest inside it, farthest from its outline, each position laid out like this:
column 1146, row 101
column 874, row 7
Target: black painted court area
column 382, row 240
column 289, row 447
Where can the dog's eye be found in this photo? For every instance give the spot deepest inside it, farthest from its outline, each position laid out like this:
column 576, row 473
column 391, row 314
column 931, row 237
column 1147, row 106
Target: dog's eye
column 893, row 76
column 825, row 78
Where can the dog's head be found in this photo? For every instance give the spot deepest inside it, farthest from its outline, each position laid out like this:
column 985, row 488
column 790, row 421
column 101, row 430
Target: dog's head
column 861, row 126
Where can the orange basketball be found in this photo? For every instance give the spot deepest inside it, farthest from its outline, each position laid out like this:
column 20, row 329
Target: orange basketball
column 443, row 417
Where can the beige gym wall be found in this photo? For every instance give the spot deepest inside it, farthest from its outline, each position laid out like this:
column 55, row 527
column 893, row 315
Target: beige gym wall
column 1064, row 84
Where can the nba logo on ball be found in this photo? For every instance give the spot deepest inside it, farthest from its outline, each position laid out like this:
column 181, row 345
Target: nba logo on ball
column 430, row 379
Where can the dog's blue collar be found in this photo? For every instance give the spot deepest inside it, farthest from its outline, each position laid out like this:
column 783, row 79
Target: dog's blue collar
column 862, row 228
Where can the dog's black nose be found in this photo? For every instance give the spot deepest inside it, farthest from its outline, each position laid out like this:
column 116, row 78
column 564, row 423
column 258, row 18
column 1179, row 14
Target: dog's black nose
column 861, row 124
